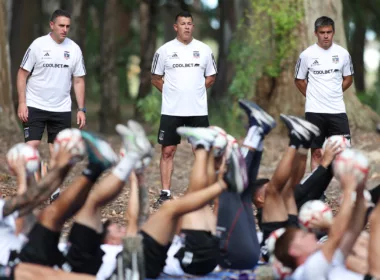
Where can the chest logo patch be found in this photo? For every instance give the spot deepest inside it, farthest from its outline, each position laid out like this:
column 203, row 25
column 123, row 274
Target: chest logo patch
column 335, row 59
column 315, row 63
column 175, row 55
column 196, row 54
column 66, row 54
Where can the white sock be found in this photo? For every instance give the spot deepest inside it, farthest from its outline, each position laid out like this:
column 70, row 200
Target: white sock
column 125, row 166
column 254, row 138
column 167, row 192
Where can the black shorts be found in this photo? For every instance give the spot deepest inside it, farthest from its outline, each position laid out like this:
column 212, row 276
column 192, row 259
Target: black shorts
column 83, row 256
column 39, row 119
column 154, row 256
column 200, row 253
column 329, row 124
column 167, row 134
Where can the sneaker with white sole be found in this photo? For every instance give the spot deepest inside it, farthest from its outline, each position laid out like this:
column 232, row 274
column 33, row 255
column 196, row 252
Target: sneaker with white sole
column 220, row 141
column 257, row 116
column 236, row 176
column 98, row 150
column 301, row 132
column 198, row 136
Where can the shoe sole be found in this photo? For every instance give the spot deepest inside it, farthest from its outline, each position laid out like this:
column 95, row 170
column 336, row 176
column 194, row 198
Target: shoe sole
column 257, row 111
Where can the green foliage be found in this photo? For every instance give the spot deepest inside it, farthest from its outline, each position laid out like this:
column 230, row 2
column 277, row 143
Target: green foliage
column 371, row 98
column 264, row 42
column 150, row 109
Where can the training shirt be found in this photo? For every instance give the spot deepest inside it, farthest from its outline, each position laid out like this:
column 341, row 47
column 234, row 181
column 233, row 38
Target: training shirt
column 324, row 71
column 316, row 266
column 185, row 68
column 8, row 239
column 52, row 67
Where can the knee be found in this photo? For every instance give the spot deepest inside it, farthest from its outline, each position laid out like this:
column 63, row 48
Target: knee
column 168, row 152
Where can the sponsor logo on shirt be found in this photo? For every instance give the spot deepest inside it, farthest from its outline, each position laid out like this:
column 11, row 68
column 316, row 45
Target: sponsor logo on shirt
column 318, row 72
column 55, row 65
column 185, row 65
column 335, row 59
column 196, row 54
column 315, row 63
column 66, row 54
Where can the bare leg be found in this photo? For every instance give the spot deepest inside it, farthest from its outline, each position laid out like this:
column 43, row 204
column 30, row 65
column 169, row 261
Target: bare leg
column 166, row 165
column 198, row 177
column 162, row 225
column 273, row 196
column 297, row 173
column 374, row 243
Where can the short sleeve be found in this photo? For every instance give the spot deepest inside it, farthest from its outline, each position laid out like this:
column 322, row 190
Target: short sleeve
column 30, row 57
column 301, row 69
column 348, row 68
column 211, row 68
column 79, row 69
column 158, row 63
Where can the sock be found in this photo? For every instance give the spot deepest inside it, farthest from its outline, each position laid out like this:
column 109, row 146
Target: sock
column 93, row 171
column 375, row 194
column 199, row 144
column 125, row 166
column 166, row 191
column 254, row 138
column 248, row 156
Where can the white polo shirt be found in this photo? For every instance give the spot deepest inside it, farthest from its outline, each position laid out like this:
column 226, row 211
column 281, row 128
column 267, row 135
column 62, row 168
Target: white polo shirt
column 8, row 239
column 185, row 68
column 324, row 71
column 52, row 67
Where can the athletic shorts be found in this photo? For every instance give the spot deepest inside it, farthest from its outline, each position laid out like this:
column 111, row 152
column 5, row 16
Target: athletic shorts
column 154, row 256
column 39, row 119
column 200, row 253
column 329, row 124
column 167, row 134
column 83, row 256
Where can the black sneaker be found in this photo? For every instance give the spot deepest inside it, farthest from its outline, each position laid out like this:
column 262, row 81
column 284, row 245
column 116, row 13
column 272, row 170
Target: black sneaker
column 162, row 198
column 55, row 195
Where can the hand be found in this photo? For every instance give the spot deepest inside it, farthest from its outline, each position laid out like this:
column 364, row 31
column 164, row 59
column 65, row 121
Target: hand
column 17, row 166
column 331, row 150
column 62, row 154
column 81, row 119
column 320, row 222
column 22, row 112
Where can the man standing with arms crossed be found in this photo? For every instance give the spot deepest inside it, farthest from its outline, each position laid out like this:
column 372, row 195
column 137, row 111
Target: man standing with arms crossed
column 50, row 65
column 182, row 70
column 323, row 72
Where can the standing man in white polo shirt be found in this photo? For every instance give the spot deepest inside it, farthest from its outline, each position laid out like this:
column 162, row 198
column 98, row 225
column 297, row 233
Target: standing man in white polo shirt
column 323, row 72
column 182, row 70
column 50, row 66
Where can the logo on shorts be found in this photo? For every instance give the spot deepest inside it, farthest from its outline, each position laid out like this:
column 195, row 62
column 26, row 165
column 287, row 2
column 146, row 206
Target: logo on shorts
column 26, row 132
column 196, row 54
column 66, row 54
column 161, row 135
column 335, row 59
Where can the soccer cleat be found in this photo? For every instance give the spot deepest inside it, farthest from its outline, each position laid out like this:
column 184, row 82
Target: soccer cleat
column 164, row 196
column 135, row 140
column 236, row 176
column 198, row 136
column 301, row 132
column 257, row 116
column 99, row 151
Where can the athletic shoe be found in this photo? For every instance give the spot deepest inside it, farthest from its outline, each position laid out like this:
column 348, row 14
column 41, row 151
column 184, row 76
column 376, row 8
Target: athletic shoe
column 99, row 151
column 231, row 144
column 55, row 195
column 198, row 136
column 257, row 116
column 236, row 176
column 220, row 141
column 301, row 132
column 135, row 140
column 164, row 196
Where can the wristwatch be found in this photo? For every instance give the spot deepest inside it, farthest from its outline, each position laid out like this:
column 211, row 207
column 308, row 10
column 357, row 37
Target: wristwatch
column 82, row 109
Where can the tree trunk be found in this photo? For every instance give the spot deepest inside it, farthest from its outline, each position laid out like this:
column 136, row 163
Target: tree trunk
column 109, row 114
column 279, row 95
column 357, row 54
column 148, row 36
column 228, row 25
column 25, row 28
column 7, row 113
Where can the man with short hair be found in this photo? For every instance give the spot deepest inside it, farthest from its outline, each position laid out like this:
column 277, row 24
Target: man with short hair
column 50, row 66
column 323, row 72
column 182, row 70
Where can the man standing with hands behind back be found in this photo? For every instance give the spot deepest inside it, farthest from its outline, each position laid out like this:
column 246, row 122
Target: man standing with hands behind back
column 49, row 67
column 182, row 70
column 323, row 72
